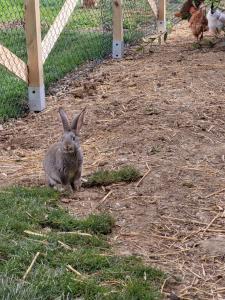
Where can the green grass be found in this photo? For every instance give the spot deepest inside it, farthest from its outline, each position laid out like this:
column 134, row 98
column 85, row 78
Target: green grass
column 77, row 48
column 107, row 177
column 103, row 275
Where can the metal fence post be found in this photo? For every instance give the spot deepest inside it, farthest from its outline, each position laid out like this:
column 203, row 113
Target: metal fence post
column 161, row 22
column 36, row 90
column 118, row 43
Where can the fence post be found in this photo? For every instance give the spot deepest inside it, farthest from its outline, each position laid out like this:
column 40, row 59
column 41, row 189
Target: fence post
column 36, row 90
column 117, row 51
column 161, row 22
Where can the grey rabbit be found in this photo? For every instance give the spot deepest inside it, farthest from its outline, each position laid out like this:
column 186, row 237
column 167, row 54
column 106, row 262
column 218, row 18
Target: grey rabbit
column 63, row 160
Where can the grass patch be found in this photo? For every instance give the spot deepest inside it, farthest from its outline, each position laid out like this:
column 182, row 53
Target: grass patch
column 104, row 275
column 59, row 219
column 107, row 177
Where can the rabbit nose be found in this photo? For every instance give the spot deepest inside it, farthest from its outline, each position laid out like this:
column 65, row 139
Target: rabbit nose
column 68, row 147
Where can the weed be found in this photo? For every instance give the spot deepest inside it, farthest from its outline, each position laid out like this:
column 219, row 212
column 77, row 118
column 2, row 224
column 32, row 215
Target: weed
column 107, row 177
column 196, row 45
column 153, row 150
column 188, row 184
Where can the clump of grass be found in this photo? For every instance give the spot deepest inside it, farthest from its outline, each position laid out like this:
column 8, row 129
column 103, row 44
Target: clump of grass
column 60, row 219
column 102, row 274
column 188, row 184
column 196, row 45
column 107, row 177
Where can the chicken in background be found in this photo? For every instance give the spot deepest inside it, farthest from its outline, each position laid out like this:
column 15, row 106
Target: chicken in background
column 199, row 23
column 188, row 8
column 89, row 3
column 216, row 20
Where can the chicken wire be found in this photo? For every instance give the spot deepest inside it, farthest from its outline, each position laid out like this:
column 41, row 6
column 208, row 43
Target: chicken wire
column 87, row 35
column 172, row 7
column 139, row 20
column 12, row 37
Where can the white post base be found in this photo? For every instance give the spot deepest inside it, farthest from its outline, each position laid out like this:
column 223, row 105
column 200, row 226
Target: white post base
column 161, row 26
column 36, row 97
column 118, row 49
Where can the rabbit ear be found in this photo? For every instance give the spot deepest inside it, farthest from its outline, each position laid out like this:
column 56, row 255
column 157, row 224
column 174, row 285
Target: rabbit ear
column 78, row 122
column 64, row 119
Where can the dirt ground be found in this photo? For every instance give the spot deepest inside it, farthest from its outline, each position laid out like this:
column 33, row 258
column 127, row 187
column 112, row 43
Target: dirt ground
column 164, row 111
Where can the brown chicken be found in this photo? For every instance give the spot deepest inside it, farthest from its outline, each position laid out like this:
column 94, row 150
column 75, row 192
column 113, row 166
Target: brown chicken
column 89, row 3
column 199, row 23
column 187, row 9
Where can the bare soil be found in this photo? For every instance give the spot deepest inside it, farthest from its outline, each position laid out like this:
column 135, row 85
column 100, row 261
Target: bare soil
column 166, row 111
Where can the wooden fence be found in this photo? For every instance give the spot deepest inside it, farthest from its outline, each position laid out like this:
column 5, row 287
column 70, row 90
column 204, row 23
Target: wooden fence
column 38, row 50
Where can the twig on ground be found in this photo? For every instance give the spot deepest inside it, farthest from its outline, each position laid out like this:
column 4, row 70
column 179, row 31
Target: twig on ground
column 197, row 275
column 213, row 220
column 170, row 238
column 195, row 232
column 31, row 265
column 169, row 253
column 222, row 289
column 75, row 232
column 185, row 290
column 203, row 270
column 65, row 246
column 215, row 193
column 101, row 201
column 74, row 271
column 184, row 220
column 163, row 285
column 202, row 292
column 29, row 215
column 45, row 242
column 143, row 177
column 216, row 230
column 34, row 233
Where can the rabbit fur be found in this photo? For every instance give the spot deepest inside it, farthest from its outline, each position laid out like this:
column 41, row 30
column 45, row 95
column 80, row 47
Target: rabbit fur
column 63, row 160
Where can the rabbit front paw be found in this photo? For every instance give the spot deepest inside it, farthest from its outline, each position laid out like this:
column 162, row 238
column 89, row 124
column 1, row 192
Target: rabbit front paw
column 76, row 185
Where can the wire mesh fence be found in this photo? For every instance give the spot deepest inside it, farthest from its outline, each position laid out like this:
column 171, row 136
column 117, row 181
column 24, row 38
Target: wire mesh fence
column 83, row 38
column 173, row 6
column 12, row 37
column 139, row 20
column 86, row 36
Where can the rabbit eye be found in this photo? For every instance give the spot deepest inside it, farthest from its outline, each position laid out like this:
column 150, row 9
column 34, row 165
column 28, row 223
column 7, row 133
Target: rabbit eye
column 73, row 138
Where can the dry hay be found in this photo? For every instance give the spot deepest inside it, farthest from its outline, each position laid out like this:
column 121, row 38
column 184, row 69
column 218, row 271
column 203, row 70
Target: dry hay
column 165, row 111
